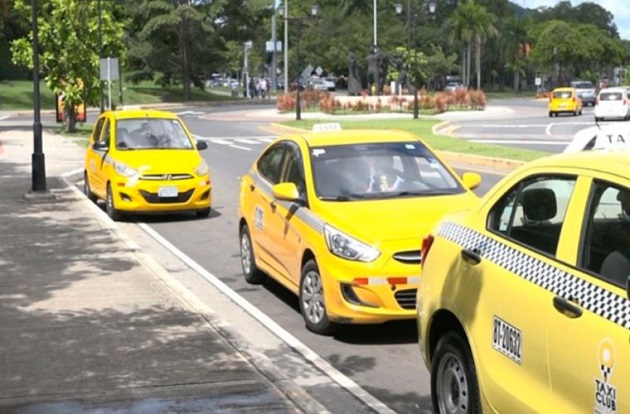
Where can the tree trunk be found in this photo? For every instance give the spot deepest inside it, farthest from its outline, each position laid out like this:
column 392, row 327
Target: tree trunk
column 183, row 50
column 70, row 116
column 478, row 63
column 468, row 53
column 463, row 65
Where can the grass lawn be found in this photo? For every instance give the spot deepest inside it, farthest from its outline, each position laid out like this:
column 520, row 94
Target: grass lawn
column 423, row 128
column 19, row 94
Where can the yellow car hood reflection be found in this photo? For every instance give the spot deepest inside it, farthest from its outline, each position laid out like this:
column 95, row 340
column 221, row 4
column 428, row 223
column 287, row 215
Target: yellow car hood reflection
column 393, row 219
column 160, row 161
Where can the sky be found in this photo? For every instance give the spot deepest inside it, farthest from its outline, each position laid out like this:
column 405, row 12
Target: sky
column 620, row 9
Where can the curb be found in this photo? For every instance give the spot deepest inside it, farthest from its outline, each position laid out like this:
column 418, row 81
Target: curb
column 260, row 362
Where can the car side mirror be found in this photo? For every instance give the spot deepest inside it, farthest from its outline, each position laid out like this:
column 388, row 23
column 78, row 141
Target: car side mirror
column 202, row 145
column 99, row 145
column 471, row 180
column 287, row 192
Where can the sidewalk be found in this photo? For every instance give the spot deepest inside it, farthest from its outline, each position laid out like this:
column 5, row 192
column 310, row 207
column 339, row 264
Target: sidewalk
column 90, row 324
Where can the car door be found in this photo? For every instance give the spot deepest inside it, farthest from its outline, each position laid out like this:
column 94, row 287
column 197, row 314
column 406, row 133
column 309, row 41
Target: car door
column 508, row 320
column 268, row 225
column 288, row 240
column 589, row 331
column 94, row 159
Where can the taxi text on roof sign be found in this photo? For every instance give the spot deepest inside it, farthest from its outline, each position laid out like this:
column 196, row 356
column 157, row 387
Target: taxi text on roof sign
column 613, row 137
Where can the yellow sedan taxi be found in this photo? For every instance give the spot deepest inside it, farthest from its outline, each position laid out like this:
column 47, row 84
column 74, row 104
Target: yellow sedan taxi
column 338, row 218
column 564, row 101
column 146, row 161
column 524, row 300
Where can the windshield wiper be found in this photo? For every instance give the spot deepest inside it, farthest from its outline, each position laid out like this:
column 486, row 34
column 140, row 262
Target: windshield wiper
column 341, row 198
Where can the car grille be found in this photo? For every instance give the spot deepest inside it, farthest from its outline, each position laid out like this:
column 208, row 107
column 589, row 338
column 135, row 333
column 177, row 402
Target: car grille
column 406, row 298
column 166, row 177
column 409, row 257
column 153, row 198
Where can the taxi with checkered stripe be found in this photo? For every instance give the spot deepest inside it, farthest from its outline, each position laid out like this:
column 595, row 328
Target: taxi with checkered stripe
column 524, row 302
column 338, row 217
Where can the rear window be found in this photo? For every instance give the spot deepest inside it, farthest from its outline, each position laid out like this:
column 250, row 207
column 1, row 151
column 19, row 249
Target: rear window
column 610, row 96
column 583, row 85
column 562, row 95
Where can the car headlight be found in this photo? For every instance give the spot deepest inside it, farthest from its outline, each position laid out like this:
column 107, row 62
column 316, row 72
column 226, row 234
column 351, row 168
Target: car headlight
column 124, row 170
column 346, row 247
column 202, row 168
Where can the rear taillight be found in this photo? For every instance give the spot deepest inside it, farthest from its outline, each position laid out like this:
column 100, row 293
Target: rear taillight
column 427, row 242
column 574, row 99
column 625, row 102
column 596, row 101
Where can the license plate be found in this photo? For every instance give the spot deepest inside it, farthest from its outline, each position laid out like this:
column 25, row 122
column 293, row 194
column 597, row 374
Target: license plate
column 167, row 191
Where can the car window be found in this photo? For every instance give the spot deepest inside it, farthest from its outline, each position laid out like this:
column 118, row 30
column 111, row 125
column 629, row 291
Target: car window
column 610, row 96
column 533, row 212
column 379, row 170
column 98, row 129
column 295, row 171
column 270, row 163
column 563, row 95
column 105, row 136
column 582, row 85
column 606, row 246
column 152, row 133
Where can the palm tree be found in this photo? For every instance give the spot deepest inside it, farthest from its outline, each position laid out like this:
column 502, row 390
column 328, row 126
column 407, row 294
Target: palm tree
column 471, row 24
column 515, row 43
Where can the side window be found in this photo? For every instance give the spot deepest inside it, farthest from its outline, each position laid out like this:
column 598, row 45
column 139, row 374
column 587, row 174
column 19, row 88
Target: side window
column 98, row 128
column 270, row 164
column 532, row 213
column 106, row 132
column 295, row 171
column 606, row 245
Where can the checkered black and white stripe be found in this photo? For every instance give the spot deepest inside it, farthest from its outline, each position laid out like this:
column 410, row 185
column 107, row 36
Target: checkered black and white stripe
column 598, row 300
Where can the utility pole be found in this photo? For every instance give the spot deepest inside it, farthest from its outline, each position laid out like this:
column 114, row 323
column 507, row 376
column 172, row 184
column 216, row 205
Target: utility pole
column 38, row 162
column 285, row 15
column 100, row 52
column 274, row 57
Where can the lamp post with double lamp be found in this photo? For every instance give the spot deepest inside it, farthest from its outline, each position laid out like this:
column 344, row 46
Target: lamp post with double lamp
column 299, row 21
column 409, row 26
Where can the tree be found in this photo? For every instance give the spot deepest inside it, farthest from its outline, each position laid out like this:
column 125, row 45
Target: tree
column 68, row 38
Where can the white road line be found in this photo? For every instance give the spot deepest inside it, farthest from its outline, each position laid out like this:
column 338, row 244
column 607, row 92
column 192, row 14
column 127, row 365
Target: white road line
column 516, row 141
column 219, row 141
column 253, row 137
column 270, row 324
column 239, row 147
column 4, row 117
column 548, row 129
column 248, row 141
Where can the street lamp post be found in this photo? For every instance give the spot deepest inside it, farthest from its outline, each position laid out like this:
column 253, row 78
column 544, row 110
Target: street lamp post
column 408, row 26
column 299, row 22
column 38, row 162
column 246, row 46
column 100, row 54
column 376, row 76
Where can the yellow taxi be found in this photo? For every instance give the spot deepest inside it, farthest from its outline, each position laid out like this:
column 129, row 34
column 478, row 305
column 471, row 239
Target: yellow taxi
column 564, row 100
column 146, row 161
column 338, row 218
column 524, row 300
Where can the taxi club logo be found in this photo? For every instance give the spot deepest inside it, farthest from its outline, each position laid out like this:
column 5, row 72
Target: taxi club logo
column 605, row 393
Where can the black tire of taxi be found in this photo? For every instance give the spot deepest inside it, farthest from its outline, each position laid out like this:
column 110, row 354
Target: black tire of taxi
column 454, row 384
column 203, row 213
column 320, row 324
column 87, row 190
column 252, row 274
column 110, row 208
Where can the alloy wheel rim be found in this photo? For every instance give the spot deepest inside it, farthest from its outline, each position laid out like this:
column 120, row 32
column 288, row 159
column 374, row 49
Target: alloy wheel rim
column 246, row 260
column 313, row 297
column 452, row 385
column 110, row 201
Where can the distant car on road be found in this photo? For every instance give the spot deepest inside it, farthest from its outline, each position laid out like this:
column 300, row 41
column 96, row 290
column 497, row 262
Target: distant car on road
column 585, row 91
column 329, row 81
column 453, row 86
column 612, row 103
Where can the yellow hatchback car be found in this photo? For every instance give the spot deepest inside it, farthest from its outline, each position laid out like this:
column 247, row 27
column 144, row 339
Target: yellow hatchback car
column 564, row 101
column 146, row 161
column 524, row 301
column 338, row 218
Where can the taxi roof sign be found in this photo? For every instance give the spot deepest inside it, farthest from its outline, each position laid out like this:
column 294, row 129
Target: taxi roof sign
column 612, row 137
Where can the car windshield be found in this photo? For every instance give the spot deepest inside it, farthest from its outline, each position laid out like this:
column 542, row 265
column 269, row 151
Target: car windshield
column 610, row 96
column 583, row 85
column 562, row 95
column 151, row 133
column 379, row 170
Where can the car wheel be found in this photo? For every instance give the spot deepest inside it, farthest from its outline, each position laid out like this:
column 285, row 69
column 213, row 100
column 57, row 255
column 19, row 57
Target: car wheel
column 454, row 386
column 87, row 190
column 203, row 213
column 312, row 304
column 252, row 274
column 110, row 208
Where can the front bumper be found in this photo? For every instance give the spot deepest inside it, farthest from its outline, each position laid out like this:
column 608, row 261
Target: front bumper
column 362, row 293
column 138, row 196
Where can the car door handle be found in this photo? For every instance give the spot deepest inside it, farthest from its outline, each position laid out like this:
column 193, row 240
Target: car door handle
column 471, row 256
column 566, row 307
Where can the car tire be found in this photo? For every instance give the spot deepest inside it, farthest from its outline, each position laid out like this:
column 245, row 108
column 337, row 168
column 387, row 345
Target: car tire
column 203, row 213
column 312, row 304
column 550, row 114
column 252, row 274
column 454, row 384
column 87, row 190
column 110, row 207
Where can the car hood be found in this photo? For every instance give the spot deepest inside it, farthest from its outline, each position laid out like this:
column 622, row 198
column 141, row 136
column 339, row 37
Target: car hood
column 393, row 219
column 160, row 161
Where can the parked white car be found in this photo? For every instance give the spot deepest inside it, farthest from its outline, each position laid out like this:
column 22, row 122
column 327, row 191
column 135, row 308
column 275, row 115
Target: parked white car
column 612, row 103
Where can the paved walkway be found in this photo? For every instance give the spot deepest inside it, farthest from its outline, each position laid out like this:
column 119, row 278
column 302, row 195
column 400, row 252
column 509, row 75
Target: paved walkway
column 88, row 323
